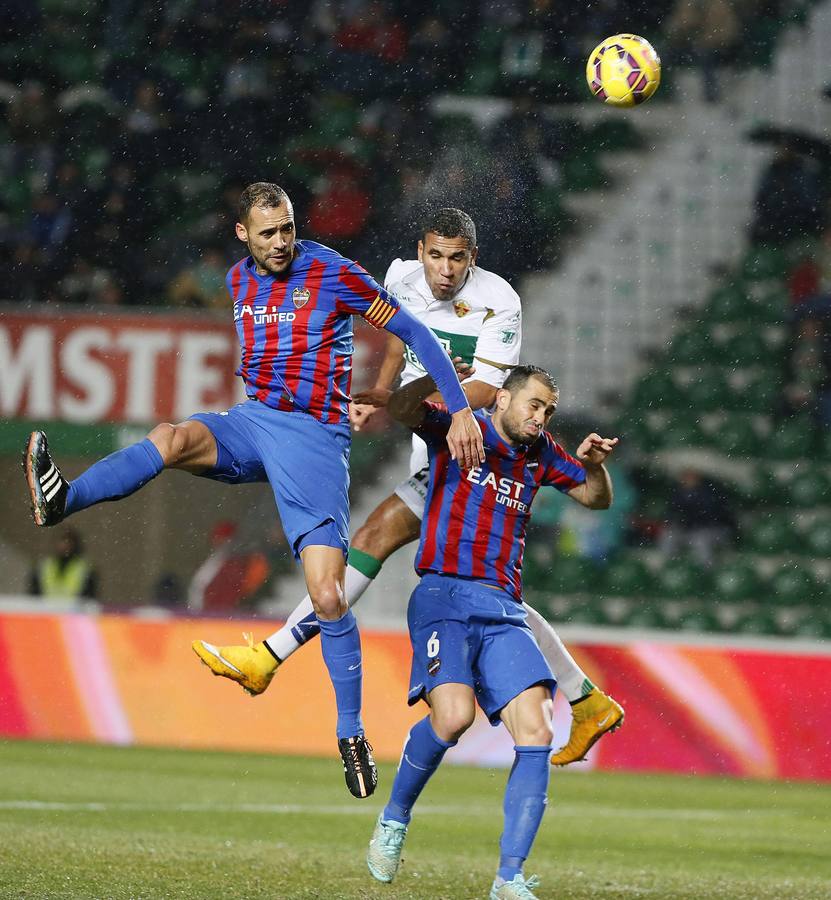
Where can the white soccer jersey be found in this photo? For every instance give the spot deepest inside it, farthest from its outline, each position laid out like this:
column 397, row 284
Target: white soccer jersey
column 482, row 323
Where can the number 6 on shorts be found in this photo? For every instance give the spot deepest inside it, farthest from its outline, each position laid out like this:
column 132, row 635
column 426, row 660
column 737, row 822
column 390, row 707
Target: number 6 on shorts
column 433, row 645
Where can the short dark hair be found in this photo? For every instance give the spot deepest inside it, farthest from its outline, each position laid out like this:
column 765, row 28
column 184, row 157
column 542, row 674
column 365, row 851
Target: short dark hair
column 519, row 375
column 450, row 223
column 262, row 194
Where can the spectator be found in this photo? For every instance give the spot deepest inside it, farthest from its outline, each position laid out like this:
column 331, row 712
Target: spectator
column 201, row 285
column 700, row 518
column 66, row 573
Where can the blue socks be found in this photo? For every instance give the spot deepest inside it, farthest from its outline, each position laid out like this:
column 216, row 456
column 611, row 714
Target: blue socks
column 421, row 757
column 117, row 475
column 341, row 647
column 526, row 796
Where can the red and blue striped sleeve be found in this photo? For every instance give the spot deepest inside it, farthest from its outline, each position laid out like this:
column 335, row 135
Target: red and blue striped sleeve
column 360, row 294
column 436, row 423
column 562, row 470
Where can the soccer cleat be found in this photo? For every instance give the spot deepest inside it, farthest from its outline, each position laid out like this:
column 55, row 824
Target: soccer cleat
column 384, row 855
column 358, row 765
column 590, row 720
column 253, row 666
column 47, row 487
column 515, row 889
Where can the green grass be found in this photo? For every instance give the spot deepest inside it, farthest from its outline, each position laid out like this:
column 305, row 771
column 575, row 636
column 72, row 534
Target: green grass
column 99, row 822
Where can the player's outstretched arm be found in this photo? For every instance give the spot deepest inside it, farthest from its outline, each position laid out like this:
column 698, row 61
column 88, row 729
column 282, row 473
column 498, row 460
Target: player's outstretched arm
column 596, row 490
column 464, row 437
column 393, row 363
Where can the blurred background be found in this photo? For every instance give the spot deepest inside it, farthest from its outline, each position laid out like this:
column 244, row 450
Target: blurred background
column 674, row 263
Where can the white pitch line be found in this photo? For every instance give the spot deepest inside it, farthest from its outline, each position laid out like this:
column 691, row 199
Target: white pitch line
column 294, row 809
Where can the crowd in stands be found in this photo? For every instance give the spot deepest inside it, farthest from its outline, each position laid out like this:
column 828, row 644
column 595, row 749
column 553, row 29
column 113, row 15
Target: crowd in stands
column 126, row 145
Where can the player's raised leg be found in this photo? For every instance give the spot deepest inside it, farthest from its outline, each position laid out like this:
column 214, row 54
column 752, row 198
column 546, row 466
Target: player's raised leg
column 390, row 526
column 340, row 643
column 528, row 718
column 189, row 445
column 593, row 712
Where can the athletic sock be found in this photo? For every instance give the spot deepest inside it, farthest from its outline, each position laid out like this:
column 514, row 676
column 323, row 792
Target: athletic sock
column 302, row 625
column 526, row 796
column 340, row 644
column 117, row 475
column 421, row 757
column 571, row 679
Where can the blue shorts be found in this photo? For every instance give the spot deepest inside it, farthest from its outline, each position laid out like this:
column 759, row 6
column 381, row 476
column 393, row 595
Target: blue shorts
column 466, row 632
column 305, row 461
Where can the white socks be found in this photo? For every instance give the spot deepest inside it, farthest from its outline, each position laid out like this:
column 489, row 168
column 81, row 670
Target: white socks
column 571, row 679
column 302, row 619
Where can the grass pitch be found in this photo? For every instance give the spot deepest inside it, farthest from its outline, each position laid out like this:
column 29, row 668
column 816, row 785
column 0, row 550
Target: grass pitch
column 99, row 822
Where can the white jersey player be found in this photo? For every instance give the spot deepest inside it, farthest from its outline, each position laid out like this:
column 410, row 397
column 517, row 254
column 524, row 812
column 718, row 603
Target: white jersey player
column 477, row 315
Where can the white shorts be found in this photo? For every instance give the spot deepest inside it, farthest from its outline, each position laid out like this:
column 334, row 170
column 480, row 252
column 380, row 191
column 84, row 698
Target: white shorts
column 413, row 490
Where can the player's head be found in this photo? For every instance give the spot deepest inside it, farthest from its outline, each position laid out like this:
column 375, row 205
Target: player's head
column 447, row 250
column 526, row 401
column 266, row 224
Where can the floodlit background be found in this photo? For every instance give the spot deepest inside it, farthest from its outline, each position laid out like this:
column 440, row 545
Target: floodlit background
column 673, row 262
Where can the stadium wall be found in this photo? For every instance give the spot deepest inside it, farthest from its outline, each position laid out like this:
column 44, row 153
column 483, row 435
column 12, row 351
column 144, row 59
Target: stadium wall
column 693, row 706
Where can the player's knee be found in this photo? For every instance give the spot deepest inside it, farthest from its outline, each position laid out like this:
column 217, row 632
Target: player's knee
column 534, row 734
column 451, row 723
column 168, row 442
column 328, row 599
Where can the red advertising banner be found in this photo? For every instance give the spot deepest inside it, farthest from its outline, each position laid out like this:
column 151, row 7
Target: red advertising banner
column 91, row 367
column 691, row 707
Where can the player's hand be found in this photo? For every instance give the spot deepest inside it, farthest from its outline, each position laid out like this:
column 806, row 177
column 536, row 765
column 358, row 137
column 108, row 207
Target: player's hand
column 360, row 413
column 463, row 370
column 465, row 439
column 372, row 398
column 594, row 449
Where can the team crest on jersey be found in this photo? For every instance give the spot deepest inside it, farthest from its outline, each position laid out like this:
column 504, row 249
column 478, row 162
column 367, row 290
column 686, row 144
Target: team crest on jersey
column 300, row 297
column 433, row 667
column 461, row 308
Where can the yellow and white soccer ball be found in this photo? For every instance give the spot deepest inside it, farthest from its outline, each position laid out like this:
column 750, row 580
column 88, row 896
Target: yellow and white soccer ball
column 623, row 70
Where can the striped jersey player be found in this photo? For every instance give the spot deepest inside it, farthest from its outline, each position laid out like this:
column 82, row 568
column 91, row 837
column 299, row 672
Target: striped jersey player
column 471, row 643
column 477, row 317
column 293, row 302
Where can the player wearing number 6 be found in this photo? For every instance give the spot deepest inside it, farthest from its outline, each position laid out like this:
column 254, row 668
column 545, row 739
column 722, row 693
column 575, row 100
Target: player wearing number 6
column 467, row 624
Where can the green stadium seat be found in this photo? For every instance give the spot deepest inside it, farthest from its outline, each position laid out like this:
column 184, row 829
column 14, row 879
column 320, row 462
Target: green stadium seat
column 582, row 172
column 809, row 488
column 791, row 439
column 610, row 135
column 643, row 615
column 655, row 390
column 770, row 534
column 679, row 578
column 818, row 539
column 698, row 619
column 693, row 347
column 706, row 390
column 754, row 391
column 794, row 585
column 729, row 303
column 736, row 581
column 627, row 576
column 737, row 436
column 757, row 622
column 763, row 263
column 760, row 488
column 684, row 431
column 745, row 348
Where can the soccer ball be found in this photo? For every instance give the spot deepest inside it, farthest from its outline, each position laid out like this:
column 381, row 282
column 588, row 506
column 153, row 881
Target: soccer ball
column 623, row 70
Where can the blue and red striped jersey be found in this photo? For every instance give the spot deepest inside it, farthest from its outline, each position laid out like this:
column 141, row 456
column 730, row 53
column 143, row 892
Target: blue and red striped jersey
column 474, row 522
column 295, row 329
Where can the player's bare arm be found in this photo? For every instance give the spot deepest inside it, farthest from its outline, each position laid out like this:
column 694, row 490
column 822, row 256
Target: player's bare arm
column 596, row 492
column 391, row 367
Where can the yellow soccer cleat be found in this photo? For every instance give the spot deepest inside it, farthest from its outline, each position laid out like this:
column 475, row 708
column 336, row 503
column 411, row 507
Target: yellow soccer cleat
column 591, row 719
column 253, row 666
